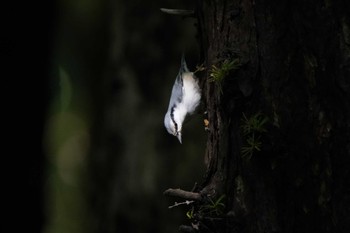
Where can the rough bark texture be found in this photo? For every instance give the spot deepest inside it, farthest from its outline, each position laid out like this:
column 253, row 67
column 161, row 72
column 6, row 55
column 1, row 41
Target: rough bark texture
column 294, row 69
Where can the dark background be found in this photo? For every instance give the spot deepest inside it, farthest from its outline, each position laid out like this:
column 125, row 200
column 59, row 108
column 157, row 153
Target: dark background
column 85, row 87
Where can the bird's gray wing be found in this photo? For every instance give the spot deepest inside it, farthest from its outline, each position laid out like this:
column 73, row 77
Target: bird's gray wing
column 177, row 92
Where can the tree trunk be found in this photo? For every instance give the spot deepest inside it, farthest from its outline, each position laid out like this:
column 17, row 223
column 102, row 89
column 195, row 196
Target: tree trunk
column 278, row 146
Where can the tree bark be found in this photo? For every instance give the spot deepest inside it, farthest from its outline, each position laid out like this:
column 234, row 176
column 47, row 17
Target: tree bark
column 294, row 71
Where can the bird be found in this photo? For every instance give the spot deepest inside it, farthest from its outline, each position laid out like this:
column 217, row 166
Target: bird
column 185, row 98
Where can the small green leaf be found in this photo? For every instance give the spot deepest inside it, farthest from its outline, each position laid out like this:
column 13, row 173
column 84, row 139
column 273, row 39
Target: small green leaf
column 252, row 128
column 218, row 74
column 189, row 214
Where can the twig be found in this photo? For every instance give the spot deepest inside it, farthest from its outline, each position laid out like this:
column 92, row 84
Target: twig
column 181, row 203
column 194, row 187
column 177, row 12
column 183, row 194
column 186, row 229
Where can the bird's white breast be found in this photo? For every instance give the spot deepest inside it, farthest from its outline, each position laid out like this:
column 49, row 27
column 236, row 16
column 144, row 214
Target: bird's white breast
column 191, row 92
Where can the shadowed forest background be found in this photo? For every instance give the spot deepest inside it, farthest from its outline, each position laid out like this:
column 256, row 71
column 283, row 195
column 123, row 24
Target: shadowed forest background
column 109, row 158
column 97, row 76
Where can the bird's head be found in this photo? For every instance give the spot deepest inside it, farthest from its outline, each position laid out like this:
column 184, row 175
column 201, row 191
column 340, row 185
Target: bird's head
column 173, row 126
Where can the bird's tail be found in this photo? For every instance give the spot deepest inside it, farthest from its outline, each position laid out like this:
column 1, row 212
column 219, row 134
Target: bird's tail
column 183, row 67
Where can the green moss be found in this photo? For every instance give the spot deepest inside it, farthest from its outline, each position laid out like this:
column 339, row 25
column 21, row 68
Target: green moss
column 252, row 129
column 213, row 208
column 218, row 74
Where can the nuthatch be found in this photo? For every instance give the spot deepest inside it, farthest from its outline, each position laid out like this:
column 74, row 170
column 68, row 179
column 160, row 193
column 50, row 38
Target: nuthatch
column 185, row 98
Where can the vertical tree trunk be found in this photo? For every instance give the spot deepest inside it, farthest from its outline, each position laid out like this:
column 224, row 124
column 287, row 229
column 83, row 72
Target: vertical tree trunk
column 289, row 173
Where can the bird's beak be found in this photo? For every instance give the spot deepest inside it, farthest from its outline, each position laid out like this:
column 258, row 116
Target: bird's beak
column 179, row 137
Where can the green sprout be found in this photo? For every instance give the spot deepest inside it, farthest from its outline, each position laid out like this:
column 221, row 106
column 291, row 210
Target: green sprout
column 214, row 207
column 255, row 123
column 251, row 146
column 190, row 214
column 218, row 74
column 210, row 209
column 252, row 128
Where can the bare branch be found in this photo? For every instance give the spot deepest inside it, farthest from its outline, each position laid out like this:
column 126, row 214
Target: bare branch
column 186, row 229
column 180, row 203
column 183, row 194
column 177, row 12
